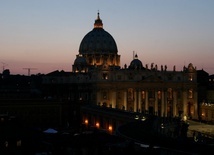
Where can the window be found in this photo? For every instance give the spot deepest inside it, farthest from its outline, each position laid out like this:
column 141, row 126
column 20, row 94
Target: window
column 105, row 76
column 190, row 77
column 151, row 94
column 104, row 95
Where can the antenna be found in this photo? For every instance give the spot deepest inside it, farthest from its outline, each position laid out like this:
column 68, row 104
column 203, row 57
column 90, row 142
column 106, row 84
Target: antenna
column 3, row 66
column 29, row 69
column 133, row 54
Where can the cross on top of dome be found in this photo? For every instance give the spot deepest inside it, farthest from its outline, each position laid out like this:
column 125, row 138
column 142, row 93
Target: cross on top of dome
column 98, row 22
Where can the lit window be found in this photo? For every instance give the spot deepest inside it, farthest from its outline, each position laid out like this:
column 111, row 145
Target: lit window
column 190, row 77
column 105, row 76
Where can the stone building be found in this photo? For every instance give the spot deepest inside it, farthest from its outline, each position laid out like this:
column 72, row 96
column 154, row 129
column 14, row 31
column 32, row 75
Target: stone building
column 98, row 79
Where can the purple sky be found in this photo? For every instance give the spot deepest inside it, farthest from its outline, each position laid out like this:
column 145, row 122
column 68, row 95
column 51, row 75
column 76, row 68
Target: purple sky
column 46, row 34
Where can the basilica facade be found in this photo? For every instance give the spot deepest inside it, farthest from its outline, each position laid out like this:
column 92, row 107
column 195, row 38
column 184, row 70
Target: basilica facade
column 133, row 87
column 98, row 79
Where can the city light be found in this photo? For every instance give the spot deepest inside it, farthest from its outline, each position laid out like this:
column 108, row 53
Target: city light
column 110, row 128
column 98, row 125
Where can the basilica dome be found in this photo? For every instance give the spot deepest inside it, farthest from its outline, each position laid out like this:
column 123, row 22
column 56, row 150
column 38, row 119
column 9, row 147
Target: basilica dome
column 136, row 63
column 98, row 41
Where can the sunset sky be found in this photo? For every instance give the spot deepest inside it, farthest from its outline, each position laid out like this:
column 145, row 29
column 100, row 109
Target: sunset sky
column 45, row 34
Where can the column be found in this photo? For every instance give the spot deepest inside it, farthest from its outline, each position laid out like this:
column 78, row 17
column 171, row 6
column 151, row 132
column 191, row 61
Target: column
column 174, row 104
column 146, row 101
column 162, row 103
column 165, row 103
column 113, row 99
column 156, row 102
column 125, row 100
column 135, row 101
column 99, row 100
column 139, row 101
column 195, row 104
column 185, row 102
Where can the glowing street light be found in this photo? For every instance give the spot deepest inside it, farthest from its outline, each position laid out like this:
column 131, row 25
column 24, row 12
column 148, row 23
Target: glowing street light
column 98, row 125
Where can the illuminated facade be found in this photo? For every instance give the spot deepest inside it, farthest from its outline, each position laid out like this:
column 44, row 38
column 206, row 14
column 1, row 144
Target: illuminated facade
column 98, row 79
column 135, row 87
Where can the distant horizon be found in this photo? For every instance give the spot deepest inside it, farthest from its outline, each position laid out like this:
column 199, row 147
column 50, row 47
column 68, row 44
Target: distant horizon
column 46, row 35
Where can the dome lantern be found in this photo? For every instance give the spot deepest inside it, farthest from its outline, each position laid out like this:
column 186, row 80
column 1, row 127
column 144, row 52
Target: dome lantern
column 98, row 22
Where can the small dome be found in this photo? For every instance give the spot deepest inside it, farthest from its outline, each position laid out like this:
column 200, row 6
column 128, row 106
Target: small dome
column 136, row 63
column 80, row 60
column 98, row 41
